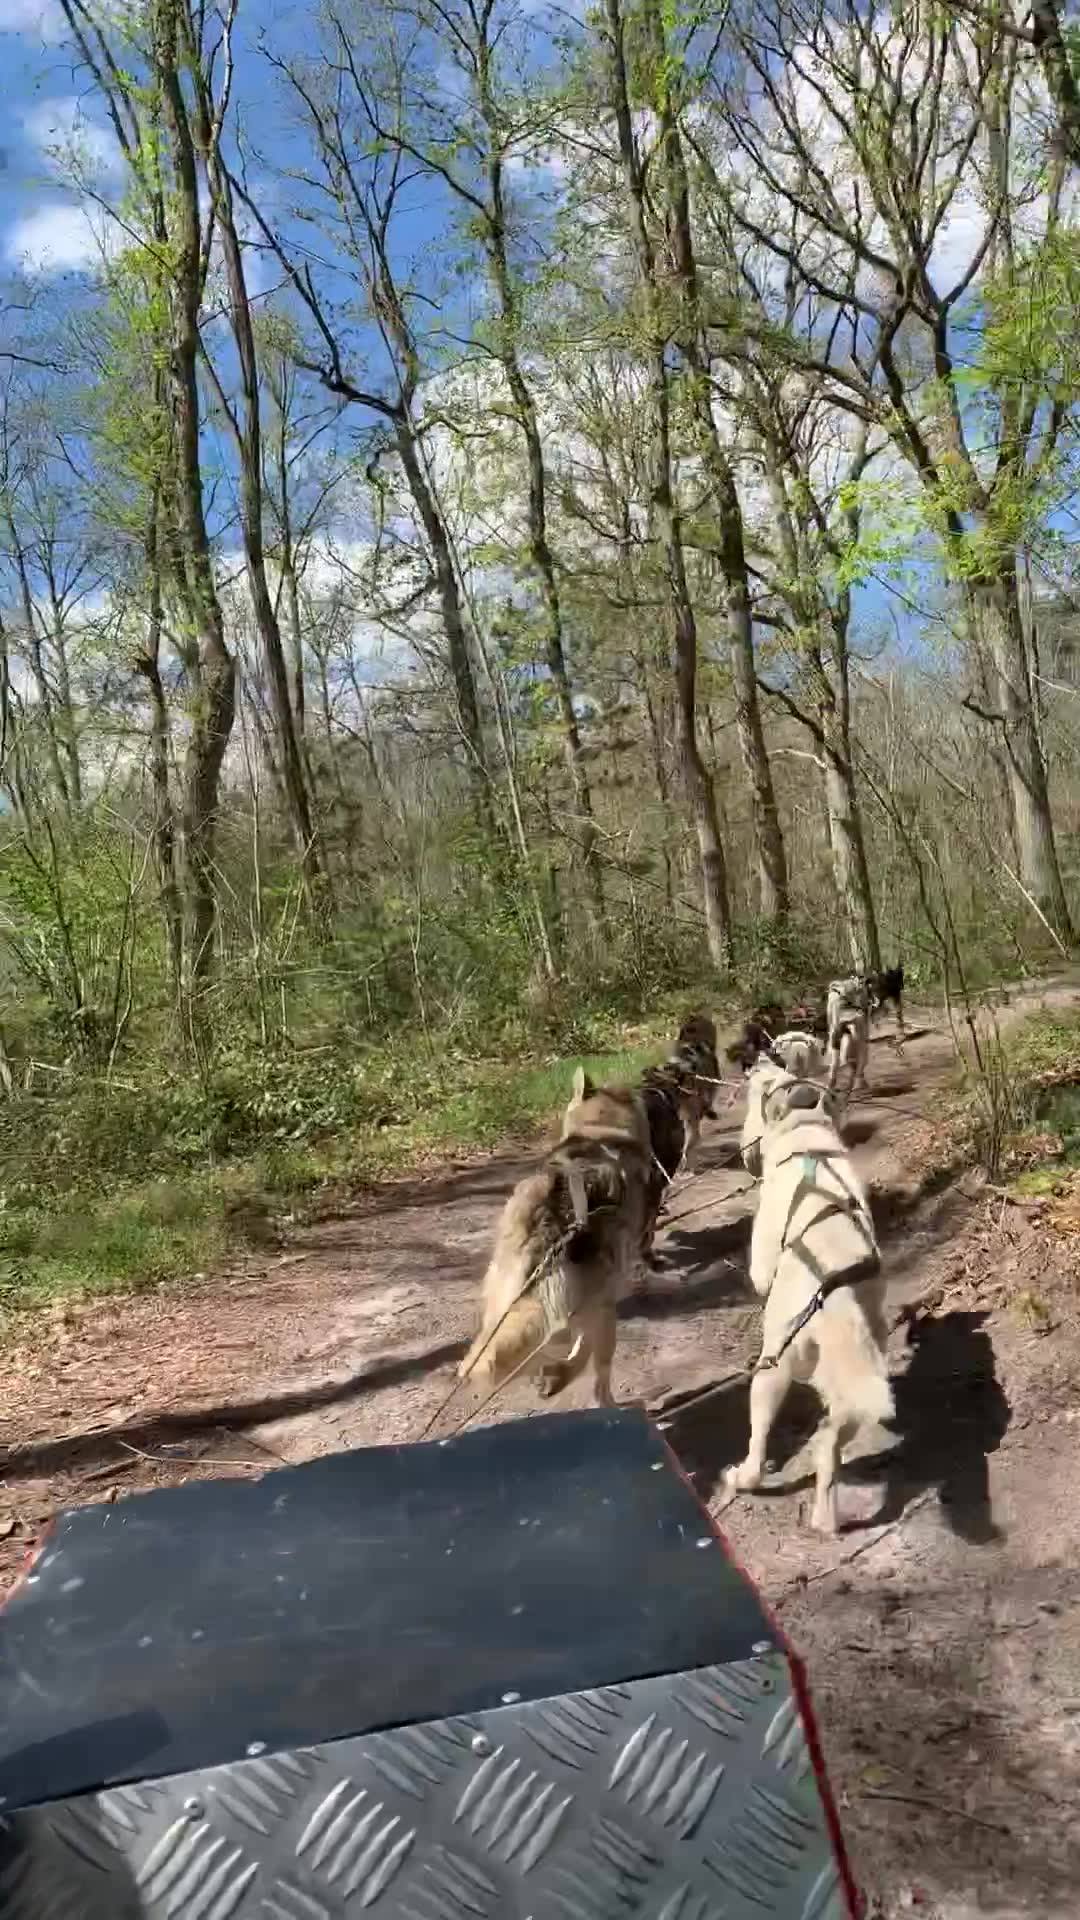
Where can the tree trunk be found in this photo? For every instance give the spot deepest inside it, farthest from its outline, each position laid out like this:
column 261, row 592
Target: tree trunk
column 702, row 797
column 247, row 432
column 660, row 773
column 163, row 832
column 7, row 728
column 213, row 675
column 453, row 619
column 850, row 868
column 992, row 761
column 765, row 817
column 667, row 525
column 765, row 820
column 37, row 667
column 296, row 646
column 995, row 608
column 554, row 651
column 65, row 710
column 296, row 632
column 696, row 780
column 539, row 550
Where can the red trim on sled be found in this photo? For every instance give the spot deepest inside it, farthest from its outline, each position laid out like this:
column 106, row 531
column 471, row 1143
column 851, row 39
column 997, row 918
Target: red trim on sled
column 801, row 1688
column 813, row 1740
column 31, row 1556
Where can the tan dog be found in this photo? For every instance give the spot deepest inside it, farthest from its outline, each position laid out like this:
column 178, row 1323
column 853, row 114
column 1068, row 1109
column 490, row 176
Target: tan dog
column 813, row 1231
column 565, row 1248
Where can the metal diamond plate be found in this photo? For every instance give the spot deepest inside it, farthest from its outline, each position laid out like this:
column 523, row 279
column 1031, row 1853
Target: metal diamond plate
column 686, row 1797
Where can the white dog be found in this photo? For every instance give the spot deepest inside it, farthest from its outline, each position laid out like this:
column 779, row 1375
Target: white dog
column 813, row 1235
column 848, row 1044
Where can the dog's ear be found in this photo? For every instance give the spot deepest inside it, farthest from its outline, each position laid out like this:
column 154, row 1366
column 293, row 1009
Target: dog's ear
column 583, row 1086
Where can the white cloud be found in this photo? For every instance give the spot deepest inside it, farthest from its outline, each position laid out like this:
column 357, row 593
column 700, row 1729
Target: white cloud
column 36, row 19
column 61, row 236
column 71, row 142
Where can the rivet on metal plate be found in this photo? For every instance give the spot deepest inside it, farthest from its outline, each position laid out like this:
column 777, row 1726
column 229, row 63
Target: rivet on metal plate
column 481, row 1744
column 510, row 1699
column 762, row 1646
column 705, row 1541
column 254, row 1748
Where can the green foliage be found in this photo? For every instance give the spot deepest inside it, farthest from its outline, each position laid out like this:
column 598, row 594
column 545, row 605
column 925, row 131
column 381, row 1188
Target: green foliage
column 1045, row 1054
column 1044, row 1058
column 891, row 521
column 1028, row 331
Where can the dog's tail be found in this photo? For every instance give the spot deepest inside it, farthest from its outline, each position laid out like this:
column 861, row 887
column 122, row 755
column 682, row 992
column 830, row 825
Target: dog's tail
column 852, row 1370
column 504, row 1344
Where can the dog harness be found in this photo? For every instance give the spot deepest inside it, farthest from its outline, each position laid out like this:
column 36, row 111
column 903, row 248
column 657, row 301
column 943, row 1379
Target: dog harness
column 849, row 1206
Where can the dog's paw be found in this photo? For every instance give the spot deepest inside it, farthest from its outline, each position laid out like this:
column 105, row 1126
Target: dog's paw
column 823, row 1521
column 551, row 1382
column 742, row 1479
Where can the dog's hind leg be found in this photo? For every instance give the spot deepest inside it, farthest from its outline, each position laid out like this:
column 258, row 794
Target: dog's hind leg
column 647, row 1254
column 603, row 1332
column 766, row 1392
column 829, row 1444
column 557, row 1374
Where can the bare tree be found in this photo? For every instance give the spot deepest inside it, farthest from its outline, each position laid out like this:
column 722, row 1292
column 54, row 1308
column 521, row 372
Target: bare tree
column 164, row 174
column 809, row 599
column 910, row 112
column 691, row 334
column 163, row 830
column 486, row 127
column 666, row 514
column 357, row 195
column 245, row 418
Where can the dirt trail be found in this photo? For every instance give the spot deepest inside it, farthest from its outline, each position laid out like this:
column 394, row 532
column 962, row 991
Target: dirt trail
column 941, row 1629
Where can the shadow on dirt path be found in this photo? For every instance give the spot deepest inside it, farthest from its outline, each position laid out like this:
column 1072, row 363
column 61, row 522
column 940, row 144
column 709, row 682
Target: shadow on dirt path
column 951, row 1415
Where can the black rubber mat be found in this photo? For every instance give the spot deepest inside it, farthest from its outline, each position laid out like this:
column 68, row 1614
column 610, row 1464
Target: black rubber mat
column 366, row 1590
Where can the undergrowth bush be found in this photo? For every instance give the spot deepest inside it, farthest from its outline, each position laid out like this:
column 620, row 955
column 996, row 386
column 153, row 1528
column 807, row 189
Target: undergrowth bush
column 1021, row 1100
column 130, row 1162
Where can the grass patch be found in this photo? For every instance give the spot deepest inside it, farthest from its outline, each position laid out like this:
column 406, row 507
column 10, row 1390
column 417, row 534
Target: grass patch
column 1042, row 1062
column 1016, row 1104
column 1044, row 1054
column 218, row 1164
column 129, row 1239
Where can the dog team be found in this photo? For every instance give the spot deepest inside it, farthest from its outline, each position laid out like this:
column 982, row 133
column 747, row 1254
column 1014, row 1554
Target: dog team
column 573, row 1233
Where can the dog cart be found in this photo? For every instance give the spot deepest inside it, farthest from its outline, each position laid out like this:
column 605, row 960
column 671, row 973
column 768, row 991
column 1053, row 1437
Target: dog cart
column 515, row 1675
